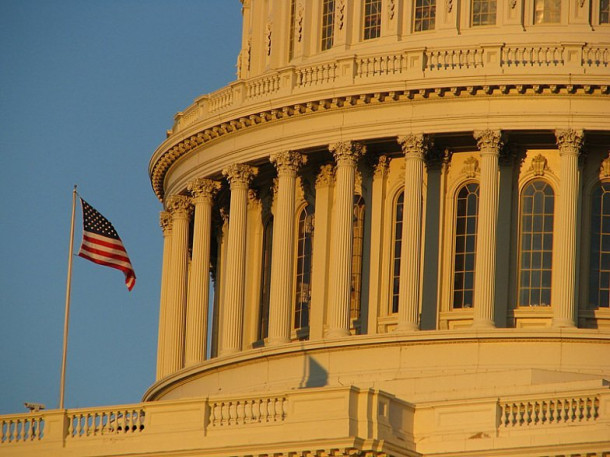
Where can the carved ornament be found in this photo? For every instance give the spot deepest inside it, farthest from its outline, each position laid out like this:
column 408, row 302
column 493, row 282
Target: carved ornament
column 326, row 176
column 604, row 170
column 340, row 14
column 471, row 167
column 299, row 22
column 165, row 221
column 449, row 5
column 288, row 162
column 391, row 9
column 239, row 175
column 253, row 200
column 179, row 206
column 539, row 165
column 382, row 167
column 203, row 189
column 569, row 141
column 414, row 145
column 489, row 141
column 268, row 31
column 347, row 152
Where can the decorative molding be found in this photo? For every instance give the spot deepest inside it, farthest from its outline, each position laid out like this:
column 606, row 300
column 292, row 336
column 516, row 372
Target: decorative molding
column 288, row 162
column 179, row 206
column 326, row 176
column 203, row 189
column 391, row 9
column 604, row 170
column 449, row 5
column 569, row 141
column 471, row 167
column 165, row 221
column 539, row 165
column 340, row 14
column 347, row 152
column 239, row 175
column 268, row 33
column 161, row 166
column 299, row 21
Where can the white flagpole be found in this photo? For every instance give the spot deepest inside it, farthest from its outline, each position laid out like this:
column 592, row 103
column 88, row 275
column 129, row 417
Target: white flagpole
column 62, row 383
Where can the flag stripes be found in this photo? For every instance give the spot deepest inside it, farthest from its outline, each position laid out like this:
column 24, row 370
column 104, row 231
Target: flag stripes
column 102, row 245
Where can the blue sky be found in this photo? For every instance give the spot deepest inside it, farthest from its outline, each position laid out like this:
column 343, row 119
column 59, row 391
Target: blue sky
column 87, row 90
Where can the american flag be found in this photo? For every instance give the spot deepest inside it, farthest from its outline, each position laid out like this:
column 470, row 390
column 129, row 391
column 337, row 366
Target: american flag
column 102, row 244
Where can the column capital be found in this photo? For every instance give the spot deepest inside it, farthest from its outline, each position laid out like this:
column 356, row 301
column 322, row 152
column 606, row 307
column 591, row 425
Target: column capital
column 239, row 175
column 382, row 167
column 179, row 206
column 288, row 162
column 203, row 189
column 347, row 152
column 569, row 141
column 489, row 141
column 165, row 221
column 414, row 145
column 326, row 176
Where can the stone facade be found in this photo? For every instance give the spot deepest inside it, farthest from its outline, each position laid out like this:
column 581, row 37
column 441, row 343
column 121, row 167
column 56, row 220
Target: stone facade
column 405, row 210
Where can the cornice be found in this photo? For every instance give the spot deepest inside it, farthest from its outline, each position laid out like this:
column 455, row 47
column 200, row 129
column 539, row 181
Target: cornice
column 171, row 152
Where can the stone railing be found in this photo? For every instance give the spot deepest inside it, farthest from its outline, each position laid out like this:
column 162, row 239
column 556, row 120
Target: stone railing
column 101, row 421
column 22, row 428
column 419, row 66
column 561, row 410
column 249, row 411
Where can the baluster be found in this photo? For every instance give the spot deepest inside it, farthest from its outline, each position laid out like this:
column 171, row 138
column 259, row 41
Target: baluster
column 224, row 413
column 240, row 413
column 248, row 411
column 263, row 410
column 256, row 411
column 217, row 414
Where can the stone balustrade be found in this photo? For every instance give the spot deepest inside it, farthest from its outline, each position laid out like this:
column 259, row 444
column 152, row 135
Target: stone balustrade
column 549, row 411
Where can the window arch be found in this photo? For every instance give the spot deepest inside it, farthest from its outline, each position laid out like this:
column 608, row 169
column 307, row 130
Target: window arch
column 263, row 314
column 372, row 19
column 599, row 261
column 537, row 205
column 466, row 216
column 358, row 244
column 396, row 248
column 303, row 269
column 328, row 24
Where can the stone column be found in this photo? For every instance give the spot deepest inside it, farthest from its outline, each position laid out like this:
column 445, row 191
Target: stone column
column 490, row 144
column 563, row 295
column 202, row 191
column 166, row 225
column 346, row 155
column 282, row 260
column 414, row 148
column 179, row 206
column 239, row 177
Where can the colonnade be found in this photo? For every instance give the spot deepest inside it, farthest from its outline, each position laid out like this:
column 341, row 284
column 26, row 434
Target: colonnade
column 184, row 296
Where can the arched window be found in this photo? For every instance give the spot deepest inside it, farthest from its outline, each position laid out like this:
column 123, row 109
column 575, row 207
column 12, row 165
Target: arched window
column 396, row 249
column 328, row 23
column 372, row 19
column 599, row 273
column 303, row 270
column 536, row 244
column 263, row 314
column 467, row 208
column 358, row 242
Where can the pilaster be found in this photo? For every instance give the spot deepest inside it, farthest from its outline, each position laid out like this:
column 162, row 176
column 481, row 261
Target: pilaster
column 239, row 177
column 321, row 249
column 282, row 262
column 165, row 221
column 489, row 143
column 563, row 295
column 179, row 206
column 414, row 147
column 203, row 192
column 346, row 155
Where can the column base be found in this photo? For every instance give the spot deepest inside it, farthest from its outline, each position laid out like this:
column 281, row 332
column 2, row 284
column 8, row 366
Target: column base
column 336, row 333
column 483, row 323
column 276, row 341
column 563, row 323
column 406, row 327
